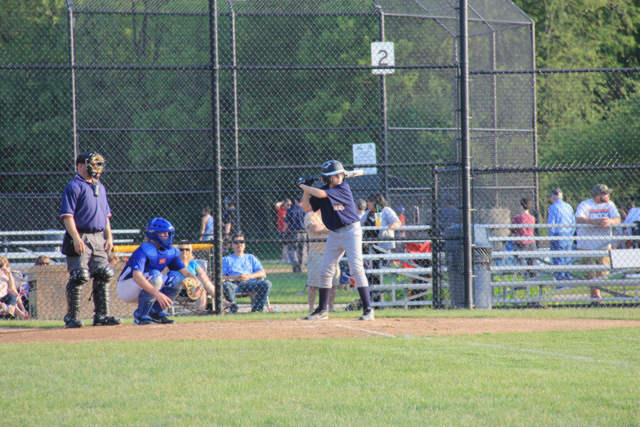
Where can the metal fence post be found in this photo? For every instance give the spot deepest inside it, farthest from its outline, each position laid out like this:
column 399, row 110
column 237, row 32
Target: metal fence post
column 435, row 239
column 217, row 174
column 482, row 277
column 466, row 151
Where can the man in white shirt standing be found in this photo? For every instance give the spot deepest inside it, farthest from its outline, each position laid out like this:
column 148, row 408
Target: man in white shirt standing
column 601, row 213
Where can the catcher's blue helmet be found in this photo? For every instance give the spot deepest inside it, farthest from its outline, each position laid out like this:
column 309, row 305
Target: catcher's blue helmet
column 160, row 225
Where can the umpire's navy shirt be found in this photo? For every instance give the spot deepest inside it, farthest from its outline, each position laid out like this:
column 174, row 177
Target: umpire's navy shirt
column 89, row 212
column 338, row 209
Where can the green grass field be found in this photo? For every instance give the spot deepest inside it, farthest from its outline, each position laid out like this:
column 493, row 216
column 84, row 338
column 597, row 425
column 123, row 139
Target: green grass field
column 551, row 378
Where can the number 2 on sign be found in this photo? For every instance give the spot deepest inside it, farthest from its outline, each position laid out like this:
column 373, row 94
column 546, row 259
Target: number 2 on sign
column 382, row 55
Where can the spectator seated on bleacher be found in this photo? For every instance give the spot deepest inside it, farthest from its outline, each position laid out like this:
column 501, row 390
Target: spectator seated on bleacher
column 10, row 302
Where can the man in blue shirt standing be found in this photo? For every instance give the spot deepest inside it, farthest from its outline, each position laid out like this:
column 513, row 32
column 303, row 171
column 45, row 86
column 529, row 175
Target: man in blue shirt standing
column 88, row 240
column 297, row 233
column 242, row 272
column 560, row 213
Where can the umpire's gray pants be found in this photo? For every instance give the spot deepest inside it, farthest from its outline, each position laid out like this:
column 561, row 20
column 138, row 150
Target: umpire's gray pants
column 345, row 239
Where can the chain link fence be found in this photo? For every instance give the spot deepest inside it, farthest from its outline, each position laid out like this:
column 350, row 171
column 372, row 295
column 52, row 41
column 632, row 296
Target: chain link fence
column 180, row 96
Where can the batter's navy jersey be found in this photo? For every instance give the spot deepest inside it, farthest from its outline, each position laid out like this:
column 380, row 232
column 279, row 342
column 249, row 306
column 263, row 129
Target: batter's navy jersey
column 338, row 209
column 148, row 257
column 90, row 212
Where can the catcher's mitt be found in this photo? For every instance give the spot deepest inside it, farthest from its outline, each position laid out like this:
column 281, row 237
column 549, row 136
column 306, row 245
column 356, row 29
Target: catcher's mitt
column 193, row 287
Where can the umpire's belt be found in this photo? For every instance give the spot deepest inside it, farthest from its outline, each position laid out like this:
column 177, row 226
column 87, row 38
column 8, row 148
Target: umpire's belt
column 88, row 231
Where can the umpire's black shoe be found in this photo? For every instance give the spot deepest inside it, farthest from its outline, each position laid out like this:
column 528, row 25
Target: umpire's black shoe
column 161, row 319
column 106, row 321
column 72, row 323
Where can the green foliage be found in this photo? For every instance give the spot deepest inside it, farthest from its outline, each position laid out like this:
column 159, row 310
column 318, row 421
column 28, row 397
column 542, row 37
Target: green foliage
column 583, row 34
column 573, row 110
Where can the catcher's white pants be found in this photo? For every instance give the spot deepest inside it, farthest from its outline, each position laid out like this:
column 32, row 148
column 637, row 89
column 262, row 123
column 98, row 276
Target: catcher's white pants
column 345, row 239
column 128, row 289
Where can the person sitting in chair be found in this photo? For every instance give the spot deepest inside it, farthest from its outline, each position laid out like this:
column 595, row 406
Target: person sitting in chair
column 186, row 255
column 241, row 273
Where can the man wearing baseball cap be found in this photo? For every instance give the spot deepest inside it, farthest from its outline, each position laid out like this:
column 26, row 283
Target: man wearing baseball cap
column 88, row 240
column 601, row 213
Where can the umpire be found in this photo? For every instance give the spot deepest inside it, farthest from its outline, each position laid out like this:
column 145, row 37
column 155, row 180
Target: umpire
column 85, row 213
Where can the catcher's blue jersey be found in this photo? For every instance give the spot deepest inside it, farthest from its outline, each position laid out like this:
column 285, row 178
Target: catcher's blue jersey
column 148, row 257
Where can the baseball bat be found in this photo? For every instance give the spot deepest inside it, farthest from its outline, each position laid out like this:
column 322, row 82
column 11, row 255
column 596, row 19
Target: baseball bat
column 347, row 174
column 354, row 173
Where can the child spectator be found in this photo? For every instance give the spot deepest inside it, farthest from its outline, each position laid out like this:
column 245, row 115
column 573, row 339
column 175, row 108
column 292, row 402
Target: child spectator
column 9, row 306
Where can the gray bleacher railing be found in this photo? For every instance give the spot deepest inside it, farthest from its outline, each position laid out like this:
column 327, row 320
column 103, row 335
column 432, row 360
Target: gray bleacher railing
column 18, row 250
column 409, row 286
column 621, row 284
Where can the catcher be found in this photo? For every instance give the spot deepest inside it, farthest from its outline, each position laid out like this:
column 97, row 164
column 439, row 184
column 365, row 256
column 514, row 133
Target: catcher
column 142, row 279
column 193, row 289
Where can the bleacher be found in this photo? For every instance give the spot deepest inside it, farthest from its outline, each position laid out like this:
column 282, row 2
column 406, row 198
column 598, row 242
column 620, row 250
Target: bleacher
column 508, row 275
column 24, row 247
column 402, row 277
column 47, row 296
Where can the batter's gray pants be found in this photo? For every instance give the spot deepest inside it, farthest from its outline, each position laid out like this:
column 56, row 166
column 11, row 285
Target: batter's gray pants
column 345, row 239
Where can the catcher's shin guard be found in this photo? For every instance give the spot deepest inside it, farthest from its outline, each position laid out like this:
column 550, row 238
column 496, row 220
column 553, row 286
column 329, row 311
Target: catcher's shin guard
column 101, row 279
column 145, row 299
column 170, row 288
column 77, row 278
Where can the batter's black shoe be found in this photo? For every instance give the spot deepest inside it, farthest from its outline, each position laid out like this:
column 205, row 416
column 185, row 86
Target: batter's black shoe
column 106, row 321
column 318, row 314
column 161, row 319
column 70, row 323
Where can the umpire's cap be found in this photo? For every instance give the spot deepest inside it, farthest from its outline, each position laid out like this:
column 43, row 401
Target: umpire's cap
column 332, row 167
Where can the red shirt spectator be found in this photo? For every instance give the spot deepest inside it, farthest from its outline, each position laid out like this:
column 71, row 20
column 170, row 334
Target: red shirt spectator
column 523, row 218
column 281, row 225
column 282, row 212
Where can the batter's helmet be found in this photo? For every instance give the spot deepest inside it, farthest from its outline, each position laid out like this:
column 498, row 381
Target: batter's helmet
column 332, row 167
column 160, row 225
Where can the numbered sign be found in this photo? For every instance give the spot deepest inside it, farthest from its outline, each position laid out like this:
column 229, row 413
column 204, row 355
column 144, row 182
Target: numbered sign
column 381, row 55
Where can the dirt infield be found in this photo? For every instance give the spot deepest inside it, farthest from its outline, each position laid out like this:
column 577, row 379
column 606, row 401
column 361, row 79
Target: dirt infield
column 296, row 329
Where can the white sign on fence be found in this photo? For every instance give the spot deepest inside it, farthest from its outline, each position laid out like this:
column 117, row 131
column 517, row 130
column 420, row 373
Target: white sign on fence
column 381, row 55
column 365, row 154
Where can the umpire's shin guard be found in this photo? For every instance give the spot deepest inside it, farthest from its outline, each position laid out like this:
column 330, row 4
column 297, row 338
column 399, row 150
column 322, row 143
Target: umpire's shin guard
column 77, row 278
column 145, row 299
column 101, row 281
